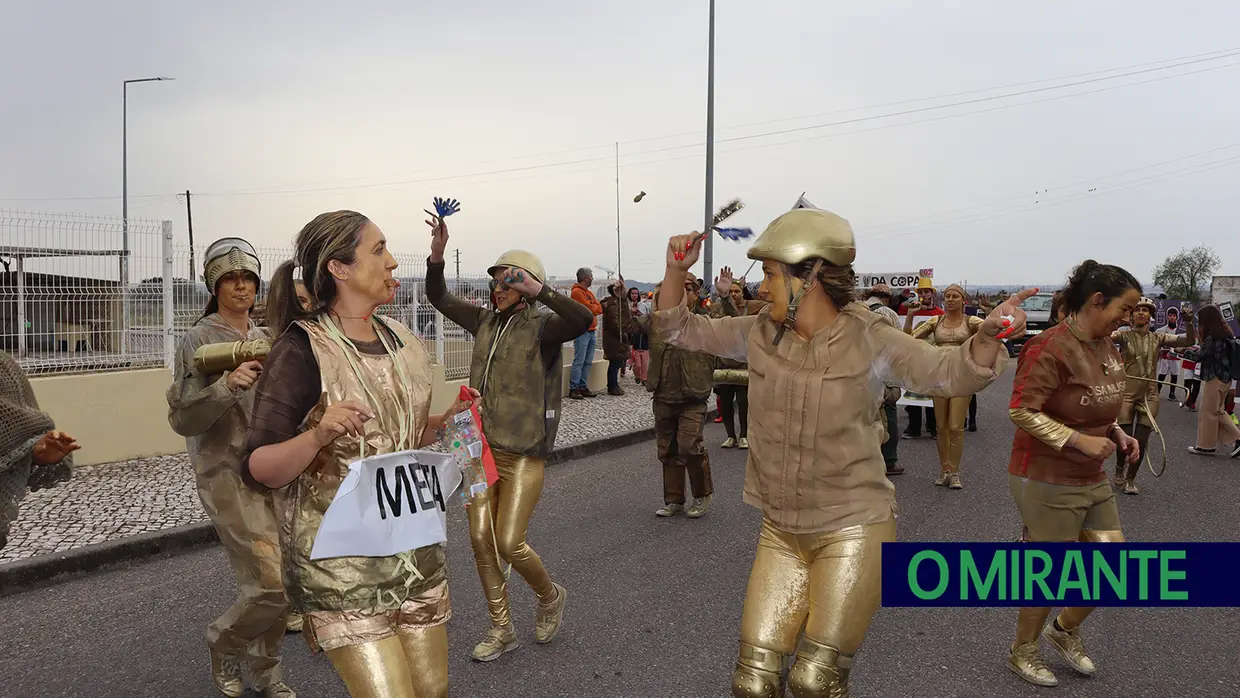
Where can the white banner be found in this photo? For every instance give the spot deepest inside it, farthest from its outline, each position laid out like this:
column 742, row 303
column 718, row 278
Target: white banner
column 896, row 280
column 389, row 504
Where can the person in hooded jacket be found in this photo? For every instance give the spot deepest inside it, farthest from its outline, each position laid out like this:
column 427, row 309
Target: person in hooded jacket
column 617, row 349
column 213, row 413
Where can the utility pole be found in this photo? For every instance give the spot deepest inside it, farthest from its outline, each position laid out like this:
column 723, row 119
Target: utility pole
column 189, row 219
column 709, row 247
column 457, row 253
column 618, row 272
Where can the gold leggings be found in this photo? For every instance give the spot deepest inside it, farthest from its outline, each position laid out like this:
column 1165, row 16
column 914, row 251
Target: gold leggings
column 497, row 525
column 1030, row 621
column 411, row 664
column 827, row 585
column 950, row 414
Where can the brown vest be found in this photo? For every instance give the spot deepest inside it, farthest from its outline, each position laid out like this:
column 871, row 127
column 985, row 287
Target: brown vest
column 356, row 583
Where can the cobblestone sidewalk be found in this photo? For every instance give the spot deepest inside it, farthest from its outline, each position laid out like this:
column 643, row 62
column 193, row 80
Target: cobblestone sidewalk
column 115, row 500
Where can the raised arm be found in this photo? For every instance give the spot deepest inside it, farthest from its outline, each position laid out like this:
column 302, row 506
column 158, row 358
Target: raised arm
column 926, row 369
column 571, row 318
column 196, row 402
column 1188, row 339
column 726, row 337
column 458, row 310
column 924, row 330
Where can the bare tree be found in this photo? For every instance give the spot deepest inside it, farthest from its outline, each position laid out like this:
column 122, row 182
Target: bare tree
column 1185, row 274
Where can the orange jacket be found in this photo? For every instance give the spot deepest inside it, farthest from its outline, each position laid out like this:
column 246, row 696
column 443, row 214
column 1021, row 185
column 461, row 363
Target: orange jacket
column 586, row 297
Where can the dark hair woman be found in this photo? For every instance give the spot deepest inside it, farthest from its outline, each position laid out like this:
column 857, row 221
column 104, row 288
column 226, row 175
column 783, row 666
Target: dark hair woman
column 1066, row 398
column 817, row 366
column 1217, row 370
column 342, row 383
column 639, row 341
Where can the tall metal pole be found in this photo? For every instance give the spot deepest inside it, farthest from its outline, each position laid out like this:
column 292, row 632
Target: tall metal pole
column 709, row 247
column 189, row 220
column 618, row 272
column 125, row 207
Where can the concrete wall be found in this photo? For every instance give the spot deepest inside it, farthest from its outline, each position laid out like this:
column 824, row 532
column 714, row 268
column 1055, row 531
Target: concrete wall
column 123, row 415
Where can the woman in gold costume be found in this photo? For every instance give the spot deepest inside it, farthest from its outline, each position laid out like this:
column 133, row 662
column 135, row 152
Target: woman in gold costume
column 518, row 368
column 1068, row 392
column 951, row 329
column 212, row 412
column 817, row 365
column 341, row 383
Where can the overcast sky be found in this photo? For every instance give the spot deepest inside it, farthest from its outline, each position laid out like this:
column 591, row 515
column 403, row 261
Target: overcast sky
column 282, row 110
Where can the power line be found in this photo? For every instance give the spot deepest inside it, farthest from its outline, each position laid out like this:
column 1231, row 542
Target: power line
column 1177, row 62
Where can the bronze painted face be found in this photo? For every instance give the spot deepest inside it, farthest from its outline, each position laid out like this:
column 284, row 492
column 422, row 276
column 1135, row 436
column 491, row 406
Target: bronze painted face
column 1141, row 316
column 775, row 290
column 953, row 301
column 237, row 291
column 503, row 295
column 370, row 274
column 926, row 296
column 738, row 297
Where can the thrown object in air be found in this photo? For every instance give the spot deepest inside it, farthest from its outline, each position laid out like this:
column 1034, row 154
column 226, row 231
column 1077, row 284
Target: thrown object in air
column 637, row 199
column 730, row 209
column 212, row 359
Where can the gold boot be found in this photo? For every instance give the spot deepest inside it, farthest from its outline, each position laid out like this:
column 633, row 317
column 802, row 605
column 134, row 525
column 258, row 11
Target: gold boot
column 1070, row 645
column 550, row 615
column 1026, row 662
column 497, row 642
column 226, row 673
column 819, row 671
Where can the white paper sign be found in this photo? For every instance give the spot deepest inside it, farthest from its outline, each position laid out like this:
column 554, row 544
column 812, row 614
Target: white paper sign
column 913, row 400
column 389, row 504
column 896, row 280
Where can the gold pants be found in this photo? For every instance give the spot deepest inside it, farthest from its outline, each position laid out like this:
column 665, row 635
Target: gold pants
column 497, row 526
column 254, row 626
column 1046, row 522
column 950, row 414
column 411, row 664
column 827, row 585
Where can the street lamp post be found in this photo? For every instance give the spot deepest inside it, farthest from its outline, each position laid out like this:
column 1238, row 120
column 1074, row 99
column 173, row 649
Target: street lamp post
column 709, row 246
column 125, row 207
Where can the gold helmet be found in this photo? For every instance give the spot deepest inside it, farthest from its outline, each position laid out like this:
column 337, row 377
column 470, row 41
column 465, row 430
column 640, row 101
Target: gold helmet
column 522, row 260
column 228, row 255
column 806, row 233
column 1147, row 303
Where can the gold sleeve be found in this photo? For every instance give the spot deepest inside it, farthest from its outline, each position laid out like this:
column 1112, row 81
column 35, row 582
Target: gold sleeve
column 925, row 329
column 1051, row 432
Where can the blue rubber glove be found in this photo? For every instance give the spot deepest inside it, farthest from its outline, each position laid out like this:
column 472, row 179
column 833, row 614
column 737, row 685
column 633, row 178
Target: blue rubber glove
column 446, row 207
column 735, row 233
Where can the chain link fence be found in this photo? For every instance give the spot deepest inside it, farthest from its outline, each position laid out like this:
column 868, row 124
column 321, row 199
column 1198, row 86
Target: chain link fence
column 85, row 294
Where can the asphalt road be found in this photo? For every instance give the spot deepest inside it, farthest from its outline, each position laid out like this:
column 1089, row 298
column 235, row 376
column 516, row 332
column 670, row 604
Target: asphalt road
column 655, row 604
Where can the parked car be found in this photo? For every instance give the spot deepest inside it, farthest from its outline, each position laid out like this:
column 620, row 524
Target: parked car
column 1037, row 319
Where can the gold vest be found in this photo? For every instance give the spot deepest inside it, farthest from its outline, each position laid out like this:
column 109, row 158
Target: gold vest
column 358, row 583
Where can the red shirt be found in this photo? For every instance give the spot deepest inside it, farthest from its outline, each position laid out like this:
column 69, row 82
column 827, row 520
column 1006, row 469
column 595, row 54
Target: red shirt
column 927, row 312
column 1076, row 381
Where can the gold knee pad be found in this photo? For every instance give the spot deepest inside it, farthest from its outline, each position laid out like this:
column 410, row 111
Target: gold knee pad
column 819, row 672
column 758, row 674
column 1091, row 536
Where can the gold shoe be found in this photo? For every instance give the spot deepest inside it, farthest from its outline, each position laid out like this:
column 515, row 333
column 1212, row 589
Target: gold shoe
column 278, row 689
column 226, row 673
column 1117, row 480
column 497, row 642
column 1026, row 662
column 743, row 443
column 728, row 443
column 1130, row 487
column 699, row 507
column 953, row 482
column 670, row 510
column 943, row 478
column 549, row 617
column 1072, row 647
column 295, row 622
